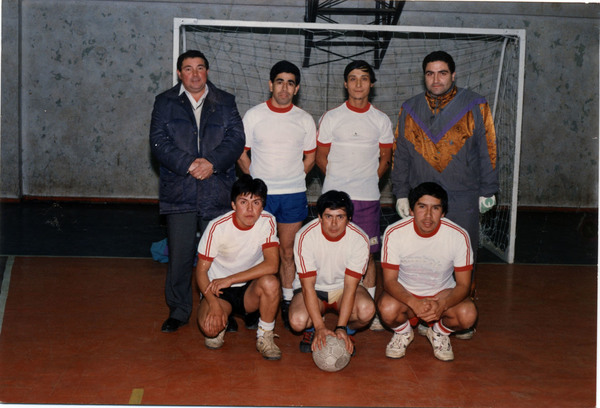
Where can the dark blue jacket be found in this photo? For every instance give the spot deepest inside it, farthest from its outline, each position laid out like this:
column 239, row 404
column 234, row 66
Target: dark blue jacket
column 174, row 142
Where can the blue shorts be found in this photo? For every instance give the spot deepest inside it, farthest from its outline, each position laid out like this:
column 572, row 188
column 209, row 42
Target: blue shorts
column 288, row 208
column 366, row 216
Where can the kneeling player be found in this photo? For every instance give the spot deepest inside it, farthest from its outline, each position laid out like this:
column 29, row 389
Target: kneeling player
column 238, row 259
column 331, row 255
column 427, row 262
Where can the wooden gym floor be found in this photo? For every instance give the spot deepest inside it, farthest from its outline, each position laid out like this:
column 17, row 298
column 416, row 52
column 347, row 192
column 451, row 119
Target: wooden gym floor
column 85, row 329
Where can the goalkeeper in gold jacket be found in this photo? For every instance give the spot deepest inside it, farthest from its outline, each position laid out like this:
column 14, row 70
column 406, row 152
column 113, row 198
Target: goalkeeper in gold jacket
column 446, row 135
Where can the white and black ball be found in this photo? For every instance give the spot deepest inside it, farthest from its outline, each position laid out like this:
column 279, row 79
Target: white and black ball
column 333, row 356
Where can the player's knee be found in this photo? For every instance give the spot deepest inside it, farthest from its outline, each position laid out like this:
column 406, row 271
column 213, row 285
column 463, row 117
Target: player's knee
column 298, row 320
column 387, row 310
column 365, row 310
column 270, row 285
column 467, row 315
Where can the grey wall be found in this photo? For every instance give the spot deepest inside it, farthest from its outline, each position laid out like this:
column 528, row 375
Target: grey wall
column 79, row 79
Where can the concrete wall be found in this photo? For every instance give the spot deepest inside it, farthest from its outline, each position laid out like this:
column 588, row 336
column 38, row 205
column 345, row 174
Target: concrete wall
column 79, row 79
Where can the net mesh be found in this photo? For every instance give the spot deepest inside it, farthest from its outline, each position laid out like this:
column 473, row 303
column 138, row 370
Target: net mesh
column 241, row 57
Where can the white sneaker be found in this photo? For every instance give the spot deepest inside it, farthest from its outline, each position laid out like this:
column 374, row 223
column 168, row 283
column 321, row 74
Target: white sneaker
column 396, row 348
column 376, row 324
column 215, row 342
column 265, row 344
column 422, row 329
column 465, row 334
column 442, row 349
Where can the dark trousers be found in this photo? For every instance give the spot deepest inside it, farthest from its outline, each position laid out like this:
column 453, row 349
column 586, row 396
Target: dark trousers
column 183, row 247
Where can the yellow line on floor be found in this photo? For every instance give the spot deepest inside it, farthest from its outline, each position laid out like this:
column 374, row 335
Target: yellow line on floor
column 136, row 396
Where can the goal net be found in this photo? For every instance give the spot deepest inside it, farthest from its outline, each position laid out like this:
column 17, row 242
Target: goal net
column 488, row 61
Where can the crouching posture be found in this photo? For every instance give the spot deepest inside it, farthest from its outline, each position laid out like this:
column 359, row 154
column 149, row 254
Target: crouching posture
column 427, row 262
column 238, row 259
column 331, row 256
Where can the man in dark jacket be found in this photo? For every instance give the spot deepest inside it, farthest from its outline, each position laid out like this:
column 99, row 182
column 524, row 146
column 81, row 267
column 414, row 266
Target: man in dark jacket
column 196, row 134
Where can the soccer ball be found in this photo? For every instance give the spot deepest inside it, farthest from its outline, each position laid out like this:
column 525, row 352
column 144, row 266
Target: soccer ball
column 333, row 356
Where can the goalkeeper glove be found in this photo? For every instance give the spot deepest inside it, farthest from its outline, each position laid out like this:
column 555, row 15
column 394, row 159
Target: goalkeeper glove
column 486, row 203
column 402, row 207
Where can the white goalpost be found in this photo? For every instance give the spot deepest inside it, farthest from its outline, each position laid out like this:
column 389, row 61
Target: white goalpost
column 488, row 61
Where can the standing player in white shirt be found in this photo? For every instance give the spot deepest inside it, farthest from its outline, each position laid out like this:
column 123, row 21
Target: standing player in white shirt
column 281, row 139
column 354, row 149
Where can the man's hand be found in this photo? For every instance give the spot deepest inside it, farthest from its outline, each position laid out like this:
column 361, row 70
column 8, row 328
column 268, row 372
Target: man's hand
column 216, row 319
column 216, row 286
column 343, row 335
column 320, row 338
column 201, row 169
column 486, row 203
column 402, row 207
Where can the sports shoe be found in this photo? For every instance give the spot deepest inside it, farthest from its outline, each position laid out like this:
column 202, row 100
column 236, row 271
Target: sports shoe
column 465, row 334
column 215, row 342
column 422, row 329
column 442, row 349
column 396, row 348
column 285, row 307
column 376, row 324
column 265, row 344
column 307, row 339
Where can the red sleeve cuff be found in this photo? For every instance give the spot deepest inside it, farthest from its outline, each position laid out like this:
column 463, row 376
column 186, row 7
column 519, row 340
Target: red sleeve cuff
column 205, row 258
column 390, row 266
column 307, row 274
column 353, row 274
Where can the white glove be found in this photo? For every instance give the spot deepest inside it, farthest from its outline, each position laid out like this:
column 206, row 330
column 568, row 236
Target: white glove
column 486, row 203
column 402, row 207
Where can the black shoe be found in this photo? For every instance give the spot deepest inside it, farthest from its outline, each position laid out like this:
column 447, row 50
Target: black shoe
column 172, row 325
column 251, row 320
column 232, row 325
column 285, row 308
column 306, row 342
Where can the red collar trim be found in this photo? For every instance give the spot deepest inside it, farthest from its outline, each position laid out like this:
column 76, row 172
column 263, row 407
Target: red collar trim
column 332, row 239
column 358, row 110
column 431, row 234
column 238, row 226
column 279, row 110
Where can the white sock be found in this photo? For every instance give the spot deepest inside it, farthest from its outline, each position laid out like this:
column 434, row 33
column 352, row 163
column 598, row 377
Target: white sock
column 403, row 328
column 288, row 294
column 439, row 327
column 264, row 327
column 372, row 291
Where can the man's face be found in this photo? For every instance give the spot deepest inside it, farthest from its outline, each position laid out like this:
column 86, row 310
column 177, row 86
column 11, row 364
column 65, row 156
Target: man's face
column 358, row 84
column 428, row 212
column 247, row 210
column 333, row 222
column 438, row 78
column 283, row 89
column 193, row 75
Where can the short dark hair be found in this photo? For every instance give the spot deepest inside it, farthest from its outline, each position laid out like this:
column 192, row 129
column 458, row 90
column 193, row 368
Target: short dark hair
column 363, row 66
column 431, row 189
column 335, row 200
column 190, row 54
column 440, row 56
column 285, row 66
column 247, row 185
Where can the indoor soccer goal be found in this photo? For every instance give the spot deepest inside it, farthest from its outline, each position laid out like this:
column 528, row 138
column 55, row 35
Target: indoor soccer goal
column 488, row 61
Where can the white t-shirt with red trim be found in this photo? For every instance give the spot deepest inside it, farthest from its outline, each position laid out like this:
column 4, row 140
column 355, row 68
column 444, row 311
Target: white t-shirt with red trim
column 232, row 249
column 355, row 137
column 278, row 140
column 330, row 259
column 426, row 263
